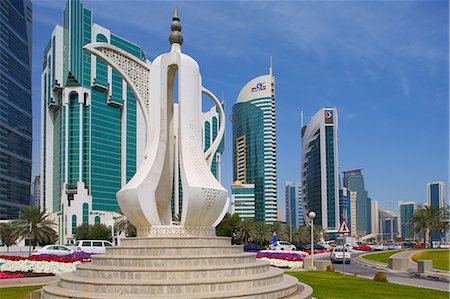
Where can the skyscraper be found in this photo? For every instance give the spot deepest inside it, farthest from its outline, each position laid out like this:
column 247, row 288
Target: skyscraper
column 374, row 217
column 435, row 198
column 344, row 206
column 388, row 224
column 243, row 200
column 254, row 144
column 354, row 181
column 319, row 168
column 15, row 106
column 294, row 205
column 90, row 125
column 405, row 223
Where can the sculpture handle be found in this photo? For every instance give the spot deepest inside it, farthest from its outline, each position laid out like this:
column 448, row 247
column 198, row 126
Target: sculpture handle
column 215, row 145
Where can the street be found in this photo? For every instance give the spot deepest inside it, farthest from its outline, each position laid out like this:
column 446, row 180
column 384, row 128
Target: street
column 400, row 278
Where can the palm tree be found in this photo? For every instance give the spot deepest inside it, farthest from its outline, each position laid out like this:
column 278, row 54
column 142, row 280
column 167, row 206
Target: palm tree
column 429, row 219
column 6, row 235
column 263, row 233
column 246, row 230
column 421, row 221
column 122, row 224
column 34, row 225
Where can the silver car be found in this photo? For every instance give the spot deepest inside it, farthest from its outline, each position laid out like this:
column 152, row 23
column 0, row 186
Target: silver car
column 283, row 245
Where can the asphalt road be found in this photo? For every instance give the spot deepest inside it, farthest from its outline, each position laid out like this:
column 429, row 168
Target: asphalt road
column 399, row 278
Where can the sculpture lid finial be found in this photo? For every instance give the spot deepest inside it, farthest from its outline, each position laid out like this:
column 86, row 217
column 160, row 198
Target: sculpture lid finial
column 175, row 36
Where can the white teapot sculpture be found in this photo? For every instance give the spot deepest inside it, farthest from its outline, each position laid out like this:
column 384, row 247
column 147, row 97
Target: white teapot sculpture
column 146, row 199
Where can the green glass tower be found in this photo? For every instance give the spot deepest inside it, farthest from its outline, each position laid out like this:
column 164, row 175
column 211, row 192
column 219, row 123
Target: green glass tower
column 254, row 145
column 89, row 125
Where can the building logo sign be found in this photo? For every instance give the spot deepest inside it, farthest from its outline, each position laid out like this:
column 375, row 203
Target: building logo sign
column 328, row 116
column 259, row 86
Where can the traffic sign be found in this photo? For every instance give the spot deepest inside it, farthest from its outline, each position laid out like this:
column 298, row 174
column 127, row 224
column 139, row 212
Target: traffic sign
column 344, row 228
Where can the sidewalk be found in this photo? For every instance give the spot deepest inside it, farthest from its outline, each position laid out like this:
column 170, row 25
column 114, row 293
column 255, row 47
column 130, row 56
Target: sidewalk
column 26, row 281
column 412, row 267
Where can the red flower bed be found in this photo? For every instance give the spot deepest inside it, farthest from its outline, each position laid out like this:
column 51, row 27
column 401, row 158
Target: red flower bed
column 7, row 276
column 43, row 258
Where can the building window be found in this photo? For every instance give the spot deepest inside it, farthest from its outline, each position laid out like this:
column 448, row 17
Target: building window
column 74, row 223
column 85, row 213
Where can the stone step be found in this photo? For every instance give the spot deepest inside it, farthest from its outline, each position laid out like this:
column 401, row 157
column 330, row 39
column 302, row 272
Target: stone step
column 174, row 250
column 72, row 281
column 287, row 288
column 164, row 274
column 177, row 241
column 171, row 261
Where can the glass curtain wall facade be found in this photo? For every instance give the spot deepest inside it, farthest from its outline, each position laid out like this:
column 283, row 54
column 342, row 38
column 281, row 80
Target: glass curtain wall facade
column 319, row 168
column 405, row 222
column 89, row 125
column 294, row 205
column 15, row 107
column 254, row 144
column 435, row 198
column 354, row 181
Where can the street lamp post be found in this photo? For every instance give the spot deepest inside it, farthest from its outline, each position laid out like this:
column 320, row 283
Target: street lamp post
column 311, row 216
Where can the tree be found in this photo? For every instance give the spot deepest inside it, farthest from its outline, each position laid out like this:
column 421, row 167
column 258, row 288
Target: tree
column 429, row 219
column 7, row 235
column 122, row 224
column 303, row 234
column 97, row 231
column 282, row 230
column 246, row 231
column 228, row 227
column 263, row 233
column 34, row 225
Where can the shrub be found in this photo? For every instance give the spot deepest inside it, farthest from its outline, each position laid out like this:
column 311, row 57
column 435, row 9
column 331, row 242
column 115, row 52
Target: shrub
column 380, row 276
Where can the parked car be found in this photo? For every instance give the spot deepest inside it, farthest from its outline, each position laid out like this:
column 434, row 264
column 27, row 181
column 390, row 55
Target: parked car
column 252, row 247
column 338, row 254
column 53, row 249
column 316, row 247
column 444, row 245
column 282, row 245
column 379, row 247
column 298, row 245
column 362, row 247
column 93, row 246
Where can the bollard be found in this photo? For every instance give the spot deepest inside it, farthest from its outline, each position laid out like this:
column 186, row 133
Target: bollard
column 398, row 263
column 424, row 266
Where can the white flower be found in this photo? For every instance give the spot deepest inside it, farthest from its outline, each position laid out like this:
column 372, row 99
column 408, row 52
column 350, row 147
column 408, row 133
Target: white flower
column 37, row 266
column 283, row 263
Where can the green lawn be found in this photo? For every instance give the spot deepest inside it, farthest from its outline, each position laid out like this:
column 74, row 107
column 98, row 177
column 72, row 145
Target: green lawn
column 17, row 292
column 381, row 257
column 335, row 285
column 440, row 258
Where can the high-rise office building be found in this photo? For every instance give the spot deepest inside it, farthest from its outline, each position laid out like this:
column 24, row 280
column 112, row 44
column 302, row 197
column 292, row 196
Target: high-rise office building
column 435, row 198
column 294, row 205
column 354, row 181
column 90, row 125
column 243, row 200
column 15, row 106
column 319, row 168
column 36, row 192
column 388, row 225
column 254, row 144
column 344, row 206
column 352, row 223
column 405, row 223
column 374, row 218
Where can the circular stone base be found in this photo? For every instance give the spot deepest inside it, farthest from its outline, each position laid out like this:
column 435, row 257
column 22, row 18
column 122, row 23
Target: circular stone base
column 176, row 231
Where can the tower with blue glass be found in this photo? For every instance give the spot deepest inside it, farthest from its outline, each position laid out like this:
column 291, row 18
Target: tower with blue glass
column 254, row 144
column 15, row 106
column 90, row 125
column 294, row 205
column 435, row 199
column 319, row 168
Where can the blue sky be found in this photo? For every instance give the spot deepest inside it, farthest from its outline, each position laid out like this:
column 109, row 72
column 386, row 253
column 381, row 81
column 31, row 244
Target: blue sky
column 383, row 64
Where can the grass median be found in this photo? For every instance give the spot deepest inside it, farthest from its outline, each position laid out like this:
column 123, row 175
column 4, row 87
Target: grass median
column 440, row 258
column 380, row 257
column 17, row 292
column 335, row 285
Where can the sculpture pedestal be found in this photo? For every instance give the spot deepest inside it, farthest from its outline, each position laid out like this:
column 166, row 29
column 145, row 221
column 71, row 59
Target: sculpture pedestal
column 176, row 267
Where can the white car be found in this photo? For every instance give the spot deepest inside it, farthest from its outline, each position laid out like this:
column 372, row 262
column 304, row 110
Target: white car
column 337, row 255
column 93, row 246
column 53, row 249
column 283, row 245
